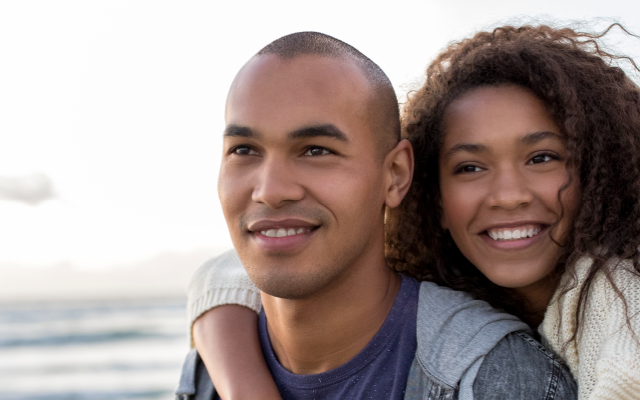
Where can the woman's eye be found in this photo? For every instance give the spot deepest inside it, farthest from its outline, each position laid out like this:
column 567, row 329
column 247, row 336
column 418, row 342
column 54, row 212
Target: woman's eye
column 244, row 151
column 541, row 158
column 467, row 169
column 316, row 151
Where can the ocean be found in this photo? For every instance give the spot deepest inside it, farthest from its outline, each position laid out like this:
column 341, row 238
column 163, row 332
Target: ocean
column 99, row 350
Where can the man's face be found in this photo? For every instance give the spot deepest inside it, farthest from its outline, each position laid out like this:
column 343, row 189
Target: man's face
column 301, row 187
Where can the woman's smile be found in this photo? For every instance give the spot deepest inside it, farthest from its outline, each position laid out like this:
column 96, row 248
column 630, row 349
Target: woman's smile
column 517, row 238
column 521, row 232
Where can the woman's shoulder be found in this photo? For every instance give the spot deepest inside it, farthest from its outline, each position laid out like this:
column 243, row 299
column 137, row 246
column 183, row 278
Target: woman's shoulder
column 609, row 336
column 614, row 287
column 606, row 340
column 617, row 277
column 613, row 290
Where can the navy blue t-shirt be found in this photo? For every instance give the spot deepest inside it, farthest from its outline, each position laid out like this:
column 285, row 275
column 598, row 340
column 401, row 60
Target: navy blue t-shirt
column 379, row 371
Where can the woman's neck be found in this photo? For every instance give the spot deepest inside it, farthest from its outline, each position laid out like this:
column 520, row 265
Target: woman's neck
column 537, row 297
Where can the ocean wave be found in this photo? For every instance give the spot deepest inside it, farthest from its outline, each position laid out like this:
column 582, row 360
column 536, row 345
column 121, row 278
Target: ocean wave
column 91, row 395
column 73, row 339
column 117, row 350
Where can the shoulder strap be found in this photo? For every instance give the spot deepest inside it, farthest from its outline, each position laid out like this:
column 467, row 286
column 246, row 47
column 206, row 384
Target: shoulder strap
column 195, row 383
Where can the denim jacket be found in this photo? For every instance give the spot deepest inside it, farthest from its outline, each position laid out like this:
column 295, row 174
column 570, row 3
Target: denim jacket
column 466, row 350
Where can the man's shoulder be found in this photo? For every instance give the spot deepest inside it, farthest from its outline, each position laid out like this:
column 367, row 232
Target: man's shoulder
column 519, row 367
column 454, row 331
column 465, row 343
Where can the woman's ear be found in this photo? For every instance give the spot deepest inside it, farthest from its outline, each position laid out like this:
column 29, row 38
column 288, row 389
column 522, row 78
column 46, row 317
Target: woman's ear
column 399, row 170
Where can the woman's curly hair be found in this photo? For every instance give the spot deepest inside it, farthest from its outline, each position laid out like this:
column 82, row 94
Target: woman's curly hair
column 597, row 108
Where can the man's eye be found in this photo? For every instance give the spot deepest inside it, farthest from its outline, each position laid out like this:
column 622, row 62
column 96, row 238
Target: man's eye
column 244, row 151
column 316, row 151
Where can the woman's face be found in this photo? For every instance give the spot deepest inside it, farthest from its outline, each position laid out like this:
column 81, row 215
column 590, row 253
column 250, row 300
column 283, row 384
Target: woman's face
column 502, row 164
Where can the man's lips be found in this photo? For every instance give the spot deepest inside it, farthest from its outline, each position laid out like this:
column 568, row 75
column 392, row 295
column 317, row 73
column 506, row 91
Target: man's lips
column 284, row 235
column 282, row 228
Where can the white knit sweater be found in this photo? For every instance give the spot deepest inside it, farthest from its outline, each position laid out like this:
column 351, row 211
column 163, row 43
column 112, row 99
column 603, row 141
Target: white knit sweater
column 605, row 360
column 221, row 280
column 606, row 357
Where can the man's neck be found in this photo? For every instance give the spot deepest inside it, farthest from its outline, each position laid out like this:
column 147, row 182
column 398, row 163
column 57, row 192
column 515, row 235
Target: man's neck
column 316, row 334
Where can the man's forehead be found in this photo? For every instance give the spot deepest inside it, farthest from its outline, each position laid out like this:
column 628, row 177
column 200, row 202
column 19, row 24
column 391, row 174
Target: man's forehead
column 306, row 90
column 308, row 73
column 314, row 64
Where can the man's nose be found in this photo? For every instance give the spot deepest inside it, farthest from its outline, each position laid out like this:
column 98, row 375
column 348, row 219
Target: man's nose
column 277, row 183
column 509, row 190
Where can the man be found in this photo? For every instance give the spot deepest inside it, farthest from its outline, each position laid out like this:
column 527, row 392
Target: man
column 312, row 157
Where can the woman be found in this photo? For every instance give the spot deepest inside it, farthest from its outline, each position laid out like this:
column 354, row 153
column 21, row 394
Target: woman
column 580, row 194
column 526, row 193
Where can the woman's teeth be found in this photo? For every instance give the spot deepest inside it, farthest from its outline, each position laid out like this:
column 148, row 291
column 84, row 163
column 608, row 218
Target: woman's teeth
column 513, row 234
column 282, row 232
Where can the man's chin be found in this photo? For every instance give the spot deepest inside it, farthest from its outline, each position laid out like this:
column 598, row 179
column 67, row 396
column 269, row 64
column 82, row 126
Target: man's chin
column 290, row 287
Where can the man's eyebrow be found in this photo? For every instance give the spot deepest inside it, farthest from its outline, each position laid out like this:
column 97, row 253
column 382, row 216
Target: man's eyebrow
column 328, row 130
column 238, row 131
column 468, row 147
column 535, row 137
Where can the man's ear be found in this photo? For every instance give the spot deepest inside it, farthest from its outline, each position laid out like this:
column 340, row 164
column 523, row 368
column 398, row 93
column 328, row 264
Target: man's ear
column 399, row 171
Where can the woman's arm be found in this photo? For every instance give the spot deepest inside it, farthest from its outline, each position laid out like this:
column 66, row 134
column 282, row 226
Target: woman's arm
column 219, row 281
column 227, row 340
column 222, row 307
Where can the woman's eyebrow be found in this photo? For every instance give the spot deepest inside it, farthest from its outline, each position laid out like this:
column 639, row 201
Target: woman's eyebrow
column 465, row 147
column 528, row 139
column 535, row 137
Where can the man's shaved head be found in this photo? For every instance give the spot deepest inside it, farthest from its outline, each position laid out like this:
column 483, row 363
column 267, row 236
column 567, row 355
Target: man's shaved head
column 382, row 108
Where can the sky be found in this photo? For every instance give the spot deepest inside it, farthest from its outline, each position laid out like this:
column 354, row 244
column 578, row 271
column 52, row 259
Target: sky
column 111, row 112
